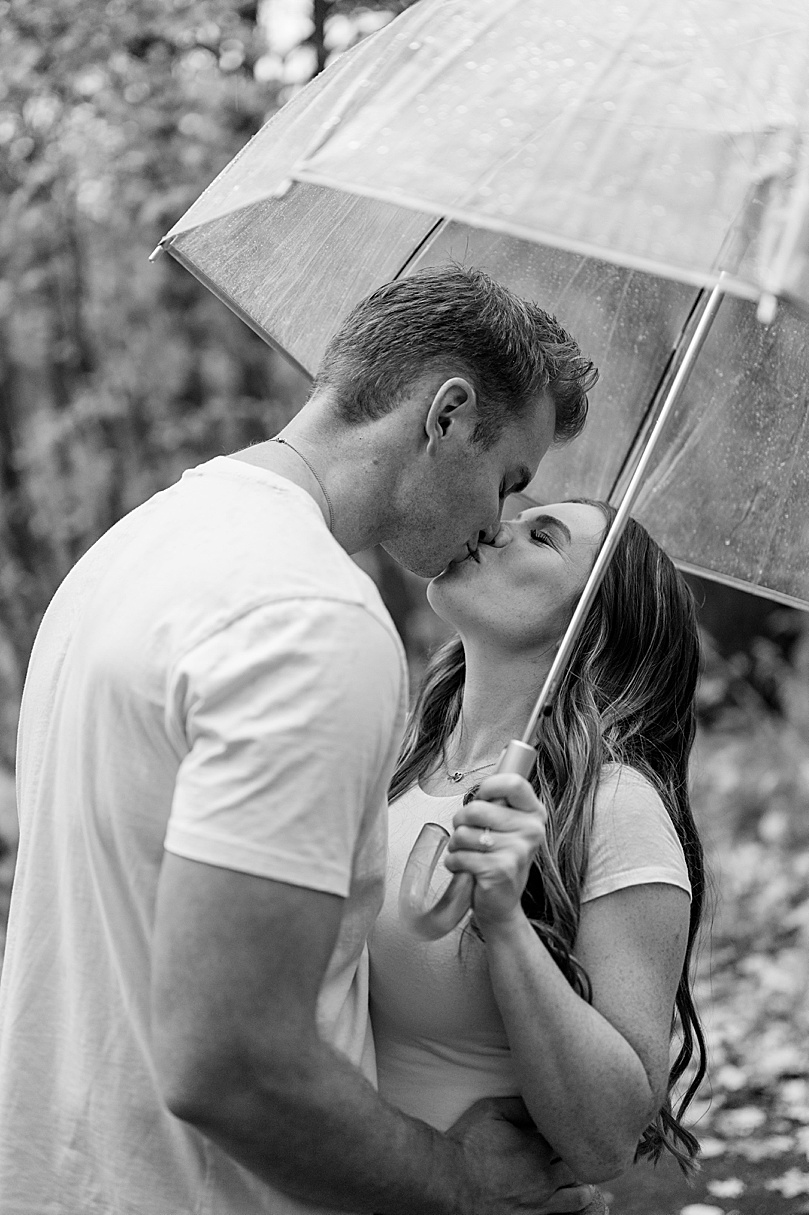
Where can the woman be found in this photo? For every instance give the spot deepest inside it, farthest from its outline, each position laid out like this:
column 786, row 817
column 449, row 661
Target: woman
column 588, row 888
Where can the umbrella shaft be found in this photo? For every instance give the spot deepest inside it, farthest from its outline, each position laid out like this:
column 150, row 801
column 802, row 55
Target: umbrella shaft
column 545, row 700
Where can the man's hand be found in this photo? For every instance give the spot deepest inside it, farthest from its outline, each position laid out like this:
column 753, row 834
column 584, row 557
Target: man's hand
column 513, row 1168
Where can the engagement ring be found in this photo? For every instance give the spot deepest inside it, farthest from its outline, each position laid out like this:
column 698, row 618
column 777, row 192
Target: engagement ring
column 486, row 839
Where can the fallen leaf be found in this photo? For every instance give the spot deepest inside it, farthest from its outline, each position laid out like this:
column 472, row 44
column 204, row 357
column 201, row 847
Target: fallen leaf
column 793, row 1183
column 793, row 1096
column 802, row 1140
column 729, row 1187
column 730, row 1078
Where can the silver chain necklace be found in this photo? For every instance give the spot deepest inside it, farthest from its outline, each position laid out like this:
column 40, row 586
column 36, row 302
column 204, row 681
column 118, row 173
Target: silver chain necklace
column 459, row 776
column 301, row 456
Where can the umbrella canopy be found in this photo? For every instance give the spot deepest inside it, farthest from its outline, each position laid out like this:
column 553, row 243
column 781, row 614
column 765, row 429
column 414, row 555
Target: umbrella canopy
column 607, row 161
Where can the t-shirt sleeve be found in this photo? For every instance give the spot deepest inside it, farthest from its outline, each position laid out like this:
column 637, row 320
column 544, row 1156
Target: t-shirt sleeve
column 290, row 718
column 633, row 840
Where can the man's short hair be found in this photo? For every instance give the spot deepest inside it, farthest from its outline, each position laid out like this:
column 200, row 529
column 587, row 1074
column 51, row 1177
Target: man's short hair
column 510, row 348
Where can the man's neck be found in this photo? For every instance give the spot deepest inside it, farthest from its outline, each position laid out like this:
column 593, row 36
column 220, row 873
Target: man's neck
column 345, row 469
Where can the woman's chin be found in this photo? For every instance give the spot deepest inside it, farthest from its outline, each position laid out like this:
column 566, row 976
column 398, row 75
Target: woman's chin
column 447, row 593
column 463, row 566
column 451, row 575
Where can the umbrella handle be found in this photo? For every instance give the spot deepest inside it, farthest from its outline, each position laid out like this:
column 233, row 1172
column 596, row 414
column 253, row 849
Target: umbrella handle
column 432, row 923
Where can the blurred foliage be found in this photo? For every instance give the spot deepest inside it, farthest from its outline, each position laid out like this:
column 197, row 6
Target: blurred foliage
column 116, row 374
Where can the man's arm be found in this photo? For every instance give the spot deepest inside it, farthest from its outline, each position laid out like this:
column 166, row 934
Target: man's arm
column 238, row 964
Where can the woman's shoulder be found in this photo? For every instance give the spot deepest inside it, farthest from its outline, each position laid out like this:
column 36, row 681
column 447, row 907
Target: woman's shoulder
column 621, row 782
column 628, row 808
column 633, row 838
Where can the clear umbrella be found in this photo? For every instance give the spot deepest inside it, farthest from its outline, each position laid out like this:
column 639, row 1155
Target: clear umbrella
column 628, row 166
column 643, row 149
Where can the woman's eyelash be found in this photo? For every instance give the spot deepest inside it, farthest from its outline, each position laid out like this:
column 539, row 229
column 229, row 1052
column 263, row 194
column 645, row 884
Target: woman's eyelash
column 541, row 535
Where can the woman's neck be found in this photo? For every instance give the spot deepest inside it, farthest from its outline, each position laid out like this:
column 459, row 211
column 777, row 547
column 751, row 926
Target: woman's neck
column 497, row 702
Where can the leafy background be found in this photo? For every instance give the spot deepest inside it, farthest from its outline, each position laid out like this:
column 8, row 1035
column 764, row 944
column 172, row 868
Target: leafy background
column 116, row 374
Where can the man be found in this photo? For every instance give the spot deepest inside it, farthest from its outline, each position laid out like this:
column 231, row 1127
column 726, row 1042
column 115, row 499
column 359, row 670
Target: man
column 210, row 719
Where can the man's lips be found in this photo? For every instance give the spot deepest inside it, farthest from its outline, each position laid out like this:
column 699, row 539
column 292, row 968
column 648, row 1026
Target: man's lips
column 471, row 554
column 467, row 554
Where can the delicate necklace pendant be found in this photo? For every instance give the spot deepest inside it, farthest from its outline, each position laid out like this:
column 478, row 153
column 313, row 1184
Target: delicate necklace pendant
column 455, row 776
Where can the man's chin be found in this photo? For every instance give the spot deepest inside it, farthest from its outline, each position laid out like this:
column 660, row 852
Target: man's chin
column 423, row 564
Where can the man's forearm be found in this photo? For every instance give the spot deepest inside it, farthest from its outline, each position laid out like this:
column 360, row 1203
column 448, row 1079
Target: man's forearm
column 239, row 963
column 321, row 1133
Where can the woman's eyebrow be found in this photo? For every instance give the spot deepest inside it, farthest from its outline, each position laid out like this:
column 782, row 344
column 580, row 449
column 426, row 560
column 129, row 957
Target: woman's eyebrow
column 552, row 521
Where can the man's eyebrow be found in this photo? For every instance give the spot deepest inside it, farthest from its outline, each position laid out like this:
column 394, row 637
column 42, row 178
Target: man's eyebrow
column 552, row 521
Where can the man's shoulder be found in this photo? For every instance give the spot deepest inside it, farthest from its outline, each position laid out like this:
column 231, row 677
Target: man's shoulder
column 257, row 533
column 264, row 541
column 211, row 549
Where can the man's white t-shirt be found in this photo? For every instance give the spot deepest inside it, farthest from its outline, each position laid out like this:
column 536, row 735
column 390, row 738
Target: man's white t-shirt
column 217, row 678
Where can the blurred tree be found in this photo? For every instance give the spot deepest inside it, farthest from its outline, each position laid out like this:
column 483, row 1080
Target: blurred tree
column 304, row 36
column 114, row 374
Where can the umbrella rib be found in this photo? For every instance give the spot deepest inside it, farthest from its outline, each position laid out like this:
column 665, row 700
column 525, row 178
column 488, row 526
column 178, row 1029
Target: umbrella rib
column 419, row 248
column 648, row 265
column 637, row 446
column 740, row 584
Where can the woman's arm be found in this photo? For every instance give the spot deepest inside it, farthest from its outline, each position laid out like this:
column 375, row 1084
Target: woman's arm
column 592, row 1076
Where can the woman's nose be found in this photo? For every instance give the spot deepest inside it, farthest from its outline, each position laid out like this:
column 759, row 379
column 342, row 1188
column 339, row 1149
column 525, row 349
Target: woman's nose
column 497, row 536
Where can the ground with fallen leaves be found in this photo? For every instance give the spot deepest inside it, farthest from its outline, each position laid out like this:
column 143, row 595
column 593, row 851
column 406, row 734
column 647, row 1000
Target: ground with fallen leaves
column 751, row 798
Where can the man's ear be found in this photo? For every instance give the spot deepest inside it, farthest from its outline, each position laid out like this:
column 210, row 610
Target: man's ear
column 454, row 402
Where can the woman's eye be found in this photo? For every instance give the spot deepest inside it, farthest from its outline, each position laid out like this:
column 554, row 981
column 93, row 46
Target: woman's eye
column 541, row 537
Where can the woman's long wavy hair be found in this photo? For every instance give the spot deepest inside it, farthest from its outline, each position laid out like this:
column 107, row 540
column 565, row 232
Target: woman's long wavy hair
column 628, row 697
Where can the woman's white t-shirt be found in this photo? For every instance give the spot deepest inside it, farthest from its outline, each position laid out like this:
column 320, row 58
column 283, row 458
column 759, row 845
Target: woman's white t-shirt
column 440, row 1040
